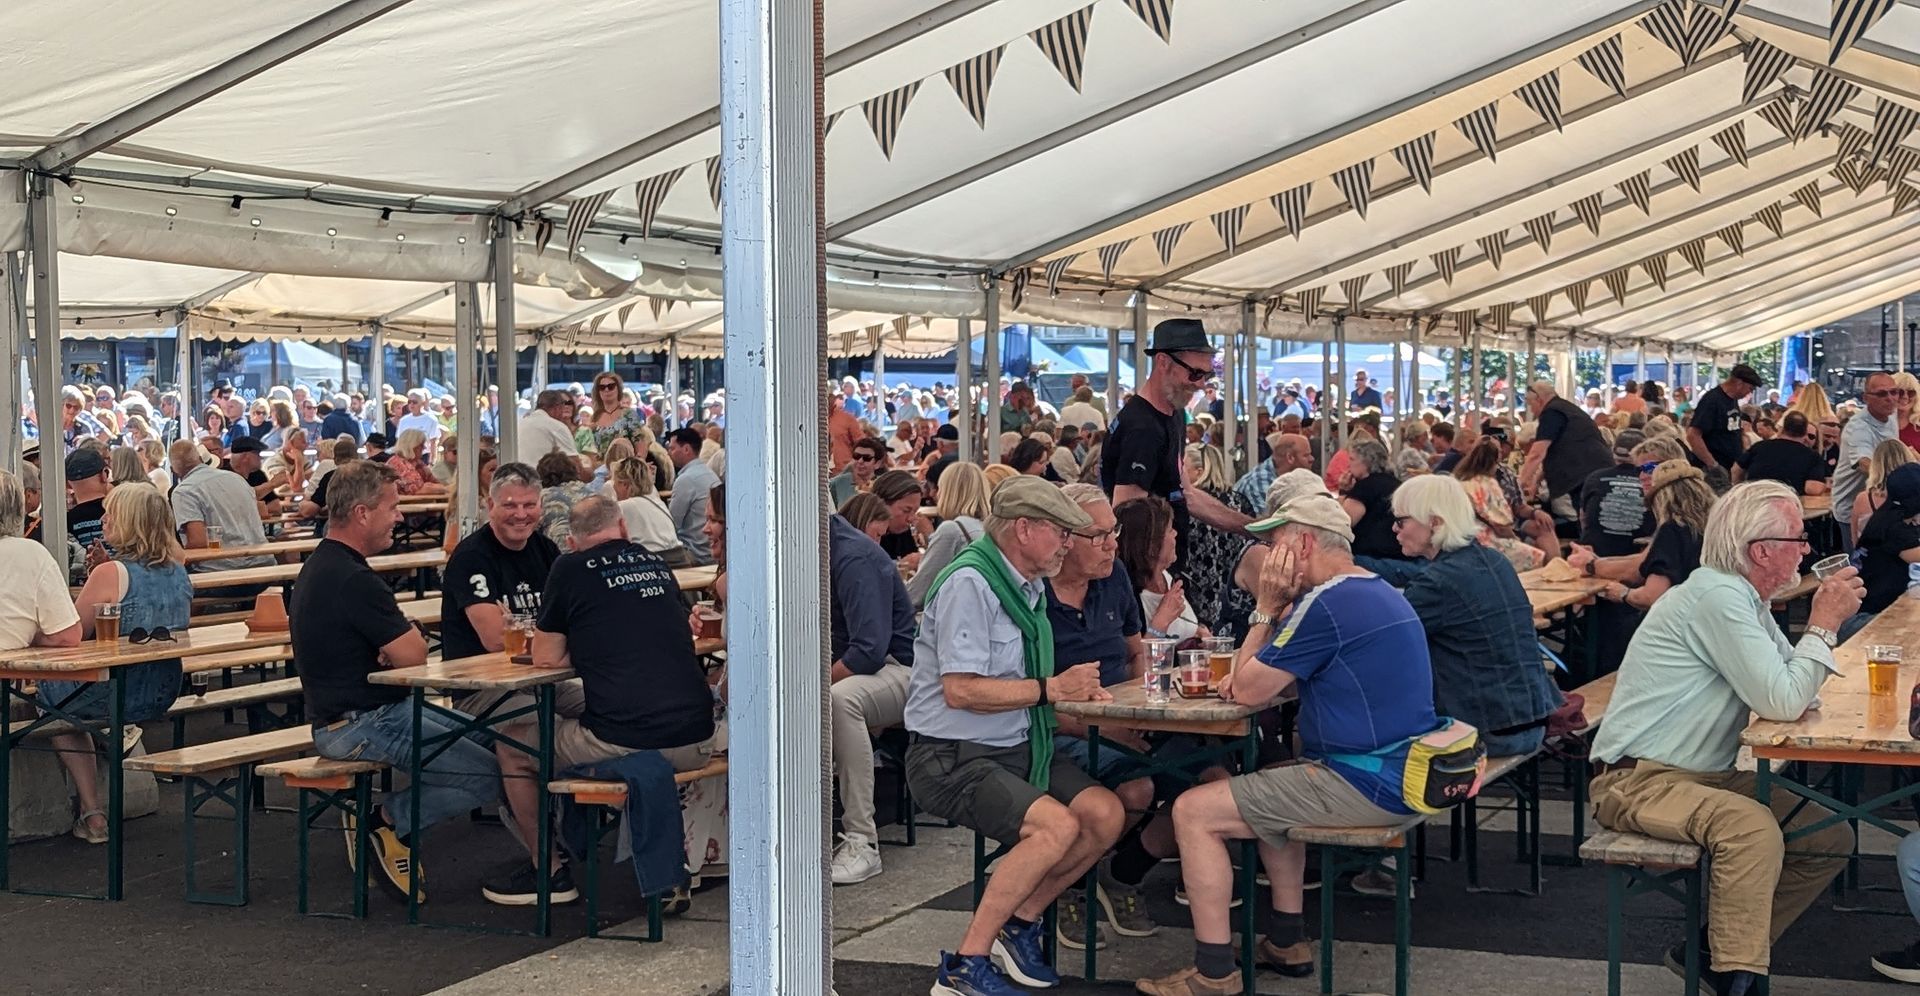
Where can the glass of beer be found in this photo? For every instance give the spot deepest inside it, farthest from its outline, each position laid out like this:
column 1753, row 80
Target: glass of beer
column 1883, row 668
column 1159, row 676
column 514, row 634
column 214, row 536
column 1195, row 673
column 1220, row 656
column 106, row 623
column 710, row 622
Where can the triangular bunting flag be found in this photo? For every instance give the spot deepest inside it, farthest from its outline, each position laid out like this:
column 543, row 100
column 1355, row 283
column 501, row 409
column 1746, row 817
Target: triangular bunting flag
column 1639, row 189
column 1158, row 14
column 1771, row 217
column 1228, row 223
column 1053, row 268
column 580, row 213
column 1543, row 97
column 542, row 234
column 654, row 304
column 973, row 79
column 1857, row 177
column 1356, row 181
column 1892, row 123
column 625, row 310
column 1110, row 256
column 1765, row 64
column 649, row 194
column 1733, row 141
column 1447, row 261
column 1541, row 229
column 1705, row 28
column 1667, row 24
column 1608, row 64
column 1656, row 269
column 1588, row 209
column 1292, row 207
column 1735, row 236
column 713, row 181
column 1417, row 158
column 1853, row 140
column 1064, row 43
column 1851, row 19
column 1576, row 293
column 1828, row 94
column 1501, row 314
column 1900, row 162
column 594, row 326
column 1266, row 311
column 1616, row 281
column 1539, row 305
column 1310, row 302
column 1353, row 289
column 1779, row 114
column 1686, row 166
column 1695, row 253
column 1397, row 275
column 900, row 326
column 1481, row 128
column 1021, row 277
column 1464, row 321
column 832, row 119
column 1809, row 198
column 1904, row 197
column 884, row 113
column 1493, row 247
column 1166, row 239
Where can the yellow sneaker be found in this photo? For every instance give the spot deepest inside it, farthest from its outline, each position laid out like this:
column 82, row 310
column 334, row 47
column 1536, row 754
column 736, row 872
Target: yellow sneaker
column 396, row 860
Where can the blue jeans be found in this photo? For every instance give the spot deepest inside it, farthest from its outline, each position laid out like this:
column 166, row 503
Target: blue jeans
column 464, row 777
column 1908, row 861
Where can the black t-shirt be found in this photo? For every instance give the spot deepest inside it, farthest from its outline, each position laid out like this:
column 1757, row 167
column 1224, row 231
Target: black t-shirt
column 1673, row 554
column 626, row 628
column 899, row 544
column 481, row 570
column 320, row 492
column 83, row 521
column 1718, row 419
column 1373, row 534
column 1613, row 512
column 342, row 614
column 1144, row 450
column 1789, row 461
column 1887, row 535
column 940, row 467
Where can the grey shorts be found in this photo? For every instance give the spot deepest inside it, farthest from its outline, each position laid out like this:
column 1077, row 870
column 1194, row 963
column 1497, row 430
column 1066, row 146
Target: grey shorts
column 1275, row 800
column 985, row 788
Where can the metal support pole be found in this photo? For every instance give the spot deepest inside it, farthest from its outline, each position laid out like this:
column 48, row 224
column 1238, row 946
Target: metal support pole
column 963, row 393
column 43, row 240
column 1412, row 404
column 1640, row 361
column 188, row 373
column 377, row 370
column 13, row 332
column 991, row 432
column 1113, row 372
column 880, row 379
column 1230, row 398
column 1322, row 413
column 1900, row 334
column 1526, row 374
column 673, row 383
column 1475, row 382
column 345, row 370
column 1459, row 382
column 1340, row 377
column 541, row 350
column 1253, row 401
column 466, row 392
column 781, row 922
column 1140, row 343
column 506, row 346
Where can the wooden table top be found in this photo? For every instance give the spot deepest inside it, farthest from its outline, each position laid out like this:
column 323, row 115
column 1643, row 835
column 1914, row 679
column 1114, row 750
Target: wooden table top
column 281, row 573
column 1130, row 709
column 1815, row 506
column 1548, row 597
column 485, row 672
column 270, row 548
column 1850, row 720
column 93, row 656
column 695, row 578
column 425, row 611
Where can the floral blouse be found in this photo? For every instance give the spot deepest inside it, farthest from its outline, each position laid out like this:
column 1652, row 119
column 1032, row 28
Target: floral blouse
column 627, row 425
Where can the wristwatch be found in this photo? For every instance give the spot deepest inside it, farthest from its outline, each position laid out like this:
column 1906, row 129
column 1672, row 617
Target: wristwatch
column 1259, row 618
column 1826, row 635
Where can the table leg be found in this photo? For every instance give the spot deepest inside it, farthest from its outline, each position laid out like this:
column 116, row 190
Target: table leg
column 116, row 783
column 543, row 696
column 6, row 778
column 413, row 808
column 1249, row 859
column 1093, row 874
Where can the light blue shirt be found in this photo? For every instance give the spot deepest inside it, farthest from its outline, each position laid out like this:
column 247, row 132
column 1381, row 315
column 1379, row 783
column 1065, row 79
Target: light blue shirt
column 688, row 508
column 1863, row 432
column 1707, row 655
column 964, row 631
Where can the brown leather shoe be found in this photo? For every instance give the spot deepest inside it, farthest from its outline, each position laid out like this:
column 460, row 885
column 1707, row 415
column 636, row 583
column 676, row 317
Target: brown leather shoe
column 1294, row 961
column 1189, row 982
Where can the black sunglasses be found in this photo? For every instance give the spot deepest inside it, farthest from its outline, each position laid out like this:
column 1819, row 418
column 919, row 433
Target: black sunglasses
column 1194, row 374
column 159, row 634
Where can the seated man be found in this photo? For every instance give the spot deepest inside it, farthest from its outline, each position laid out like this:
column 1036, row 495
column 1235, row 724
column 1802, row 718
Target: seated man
column 982, row 754
column 1706, row 657
column 498, row 569
column 631, row 695
column 1353, row 648
column 208, row 498
column 872, row 646
column 346, row 625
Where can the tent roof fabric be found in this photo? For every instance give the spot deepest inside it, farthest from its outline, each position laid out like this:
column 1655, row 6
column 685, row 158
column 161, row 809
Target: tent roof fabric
column 1590, row 170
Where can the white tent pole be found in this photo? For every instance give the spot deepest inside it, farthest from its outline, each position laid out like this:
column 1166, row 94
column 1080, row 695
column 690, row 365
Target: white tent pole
column 1340, row 376
column 880, row 378
column 1526, row 374
column 13, row 331
column 673, row 382
column 541, row 349
column 1230, row 398
column 1399, row 386
column 1113, row 371
column 506, row 346
column 963, row 390
column 1140, row 344
column 1900, row 333
column 1459, row 390
column 43, row 240
column 346, row 367
column 1476, row 381
column 1253, row 400
column 1323, row 412
column 991, row 431
column 1412, row 403
column 377, row 370
column 466, row 389
column 1640, row 361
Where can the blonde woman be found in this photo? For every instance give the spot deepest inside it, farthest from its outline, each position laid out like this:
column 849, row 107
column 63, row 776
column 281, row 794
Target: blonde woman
column 290, row 458
column 996, row 473
column 648, row 521
column 1906, row 407
column 961, row 510
column 1822, row 420
column 153, row 454
column 124, row 466
column 136, row 431
column 406, row 463
column 1678, row 496
column 1889, row 454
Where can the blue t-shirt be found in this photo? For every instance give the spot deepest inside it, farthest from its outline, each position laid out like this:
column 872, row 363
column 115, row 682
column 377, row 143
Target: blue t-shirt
column 1359, row 657
column 1098, row 630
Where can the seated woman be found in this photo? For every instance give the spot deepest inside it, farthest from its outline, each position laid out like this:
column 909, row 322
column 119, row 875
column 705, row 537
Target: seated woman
column 1147, row 551
column 1476, row 473
column 901, row 491
column 961, row 510
column 148, row 580
column 1679, row 497
column 1889, row 546
column 867, row 513
column 406, row 463
column 648, row 521
column 291, row 459
column 1886, row 457
column 1366, row 492
column 560, row 488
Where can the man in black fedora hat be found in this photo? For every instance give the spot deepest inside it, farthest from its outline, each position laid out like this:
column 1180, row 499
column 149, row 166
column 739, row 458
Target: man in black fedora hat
column 1142, row 455
column 1715, row 435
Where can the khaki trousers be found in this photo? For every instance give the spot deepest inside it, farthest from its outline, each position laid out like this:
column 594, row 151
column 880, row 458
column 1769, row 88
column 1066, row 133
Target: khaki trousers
column 863, row 703
column 1755, row 888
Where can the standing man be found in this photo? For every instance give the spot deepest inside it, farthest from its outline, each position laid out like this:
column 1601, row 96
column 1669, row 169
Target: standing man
column 691, row 481
column 1018, row 412
column 88, row 480
column 1567, row 447
column 843, row 430
column 1143, row 454
column 850, row 398
column 1864, row 431
column 1365, row 395
column 547, row 427
column 417, row 417
column 1613, row 504
column 1714, row 435
column 340, row 422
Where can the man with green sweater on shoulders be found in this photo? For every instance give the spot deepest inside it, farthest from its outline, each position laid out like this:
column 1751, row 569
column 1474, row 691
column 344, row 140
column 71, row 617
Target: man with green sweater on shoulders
column 979, row 712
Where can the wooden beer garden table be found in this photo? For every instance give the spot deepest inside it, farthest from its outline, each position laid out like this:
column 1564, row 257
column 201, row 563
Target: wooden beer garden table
column 95, row 661
column 271, row 548
column 418, row 561
column 696, row 578
column 1815, row 506
column 1558, row 589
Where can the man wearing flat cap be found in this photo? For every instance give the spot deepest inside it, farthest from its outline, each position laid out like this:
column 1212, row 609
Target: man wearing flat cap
column 981, row 722
column 1142, row 455
column 1714, row 435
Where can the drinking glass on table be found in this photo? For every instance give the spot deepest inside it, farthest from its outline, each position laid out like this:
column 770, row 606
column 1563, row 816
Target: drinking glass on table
column 200, row 681
column 515, row 632
column 1883, row 668
column 1159, row 675
column 1195, row 673
column 1220, row 652
column 106, row 622
column 214, row 535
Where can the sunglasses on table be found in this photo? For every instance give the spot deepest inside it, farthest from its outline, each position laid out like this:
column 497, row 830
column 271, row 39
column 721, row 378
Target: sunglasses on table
column 159, row 634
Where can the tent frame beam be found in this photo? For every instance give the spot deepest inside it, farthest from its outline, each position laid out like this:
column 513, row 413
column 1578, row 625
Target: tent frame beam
column 415, row 305
column 1856, row 297
column 213, row 294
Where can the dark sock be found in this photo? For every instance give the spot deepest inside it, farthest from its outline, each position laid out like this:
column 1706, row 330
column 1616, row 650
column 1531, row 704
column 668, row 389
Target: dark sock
column 1215, row 961
column 1016, row 924
column 1285, row 929
column 1742, row 983
column 1132, row 862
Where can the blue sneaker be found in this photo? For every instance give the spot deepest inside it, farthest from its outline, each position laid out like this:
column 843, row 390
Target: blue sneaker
column 970, row 975
column 1021, row 954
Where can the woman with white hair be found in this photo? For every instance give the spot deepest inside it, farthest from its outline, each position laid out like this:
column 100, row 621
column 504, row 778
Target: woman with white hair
column 1366, row 492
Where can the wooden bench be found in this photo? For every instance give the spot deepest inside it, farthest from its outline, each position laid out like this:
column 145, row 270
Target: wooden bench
column 1521, row 773
column 223, row 771
column 1637, row 863
column 1571, row 748
column 345, row 786
column 1344, row 849
column 609, row 799
column 255, row 698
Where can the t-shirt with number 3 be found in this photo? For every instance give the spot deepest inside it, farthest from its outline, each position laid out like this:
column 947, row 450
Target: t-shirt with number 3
column 481, row 570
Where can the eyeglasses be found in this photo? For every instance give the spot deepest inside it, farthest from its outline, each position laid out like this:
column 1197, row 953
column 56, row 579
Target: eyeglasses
column 159, row 634
column 1800, row 540
column 1194, row 374
column 1650, row 466
column 1891, row 392
column 608, row 386
column 1401, row 520
column 865, row 457
column 1101, row 536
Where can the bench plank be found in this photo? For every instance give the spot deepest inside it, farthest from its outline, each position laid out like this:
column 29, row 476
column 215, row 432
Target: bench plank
column 1379, row 837
column 202, row 758
column 237, row 659
column 1500, row 767
column 1598, row 693
column 1616, row 848
column 591, row 791
column 316, row 768
column 238, row 695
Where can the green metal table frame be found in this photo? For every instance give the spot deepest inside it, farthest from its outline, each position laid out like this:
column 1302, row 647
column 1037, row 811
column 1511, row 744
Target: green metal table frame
column 112, row 741
column 1684, row 885
column 1336, row 861
column 353, row 804
column 600, row 820
column 1842, row 802
column 234, row 788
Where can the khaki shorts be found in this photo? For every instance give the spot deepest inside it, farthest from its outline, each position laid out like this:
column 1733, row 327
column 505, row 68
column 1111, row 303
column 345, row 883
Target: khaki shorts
column 574, row 744
column 985, row 788
column 1275, row 800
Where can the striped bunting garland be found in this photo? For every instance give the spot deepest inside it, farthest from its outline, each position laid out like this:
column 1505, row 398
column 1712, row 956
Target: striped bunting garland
column 1853, row 139
column 653, row 304
column 1356, row 181
column 1168, row 238
column 1616, row 281
column 1543, row 97
column 1064, row 43
column 1576, row 293
column 1464, row 321
column 594, row 326
column 900, row 326
column 1053, row 268
column 832, row 119
column 1706, row 27
column 1765, row 64
column 1158, row 14
column 1500, row 314
column 1021, row 277
column 1733, row 141
column 1493, row 247
column 1779, row 114
column 1735, row 236
column 1607, row 63
column 1417, row 158
column 1851, row 19
column 650, row 193
column 885, row 112
column 1310, row 302
column 1267, row 310
column 1292, row 207
column 1397, row 275
column 1667, row 24
column 1447, row 261
column 580, row 213
column 1695, row 253
column 1904, row 197
column 1110, row 256
column 1809, row 198
column 1828, row 94
column 1892, row 123
column 1539, row 305
column 1900, row 162
column 1481, row 128
column 1228, row 223
column 542, row 234
column 1541, row 229
column 1857, row 177
column 1686, row 166
column 1655, row 267
column 1772, row 217
column 1639, row 190
column 626, row 310
column 1353, row 289
column 1589, row 210
column 713, row 181
column 971, row 80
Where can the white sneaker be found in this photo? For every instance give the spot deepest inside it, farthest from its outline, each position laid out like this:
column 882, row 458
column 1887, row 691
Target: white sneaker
column 856, row 859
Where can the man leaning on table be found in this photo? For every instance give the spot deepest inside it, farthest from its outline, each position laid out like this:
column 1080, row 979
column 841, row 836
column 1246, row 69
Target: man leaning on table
column 346, row 625
column 498, row 569
column 1707, row 654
